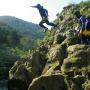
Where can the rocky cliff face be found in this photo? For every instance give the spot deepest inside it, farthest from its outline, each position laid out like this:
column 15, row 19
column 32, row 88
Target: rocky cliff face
column 61, row 64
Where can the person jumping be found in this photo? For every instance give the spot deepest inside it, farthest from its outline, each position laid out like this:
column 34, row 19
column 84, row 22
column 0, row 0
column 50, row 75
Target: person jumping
column 44, row 14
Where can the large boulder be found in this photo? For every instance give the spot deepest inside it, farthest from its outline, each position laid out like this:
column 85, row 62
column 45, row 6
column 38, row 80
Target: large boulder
column 38, row 62
column 78, row 60
column 49, row 82
column 57, row 53
column 71, row 37
column 29, row 68
column 19, row 71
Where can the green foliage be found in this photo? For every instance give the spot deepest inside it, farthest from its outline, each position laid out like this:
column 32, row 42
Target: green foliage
column 48, row 39
column 86, row 3
column 10, row 48
column 44, row 40
column 85, row 8
column 8, row 36
column 20, row 53
column 6, row 55
column 29, row 32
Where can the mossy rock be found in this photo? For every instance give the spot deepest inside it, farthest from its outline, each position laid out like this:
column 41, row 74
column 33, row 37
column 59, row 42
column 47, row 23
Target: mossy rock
column 58, row 38
column 51, row 68
column 76, row 47
column 28, row 68
column 21, row 73
column 38, row 62
column 86, row 85
column 71, row 37
column 78, row 58
column 57, row 53
column 75, row 83
column 50, row 82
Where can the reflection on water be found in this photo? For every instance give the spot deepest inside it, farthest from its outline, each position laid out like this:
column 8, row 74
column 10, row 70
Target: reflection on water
column 3, row 85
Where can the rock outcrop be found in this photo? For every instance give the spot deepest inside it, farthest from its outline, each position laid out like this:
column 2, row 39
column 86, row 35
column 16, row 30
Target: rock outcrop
column 52, row 82
column 78, row 60
column 62, row 63
column 28, row 68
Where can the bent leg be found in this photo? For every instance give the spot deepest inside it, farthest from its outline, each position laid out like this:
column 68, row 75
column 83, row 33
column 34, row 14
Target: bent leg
column 51, row 24
column 41, row 24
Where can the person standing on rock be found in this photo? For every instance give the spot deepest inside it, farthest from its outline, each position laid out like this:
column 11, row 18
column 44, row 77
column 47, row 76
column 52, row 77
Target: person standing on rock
column 44, row 14
column 84, row 33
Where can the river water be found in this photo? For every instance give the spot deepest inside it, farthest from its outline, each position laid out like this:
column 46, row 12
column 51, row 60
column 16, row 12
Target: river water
column 3, row 85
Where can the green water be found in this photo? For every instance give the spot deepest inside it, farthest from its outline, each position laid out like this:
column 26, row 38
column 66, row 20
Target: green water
column 3, row 85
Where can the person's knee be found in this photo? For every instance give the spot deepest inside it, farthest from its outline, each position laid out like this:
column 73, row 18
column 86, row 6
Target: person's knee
column 47, row 23
column 40, row 24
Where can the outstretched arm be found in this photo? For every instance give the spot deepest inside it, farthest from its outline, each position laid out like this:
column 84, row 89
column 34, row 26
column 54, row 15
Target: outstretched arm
column 33, row 6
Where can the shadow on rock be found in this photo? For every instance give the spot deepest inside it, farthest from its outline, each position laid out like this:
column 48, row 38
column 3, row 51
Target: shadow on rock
column 17, row 84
